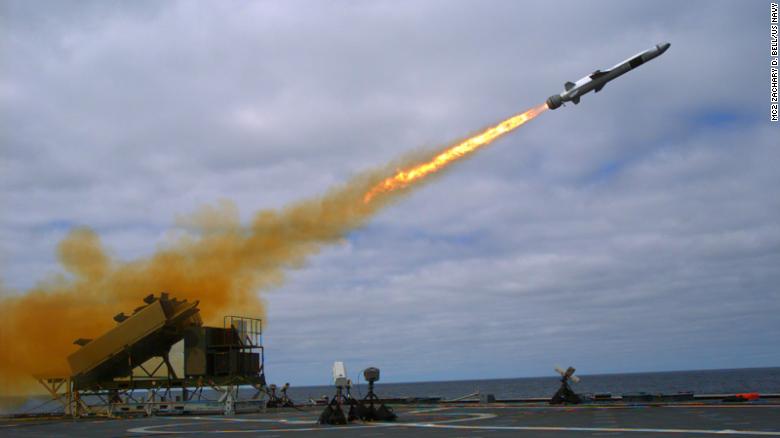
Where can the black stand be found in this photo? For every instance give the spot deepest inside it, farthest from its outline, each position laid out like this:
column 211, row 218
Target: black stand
column 285, row 401
column 367, row 410
column 565, row 394
column 273, row 400
column 333, row 414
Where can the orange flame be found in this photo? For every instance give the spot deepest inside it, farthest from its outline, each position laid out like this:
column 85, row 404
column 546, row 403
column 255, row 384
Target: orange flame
column 405, row 177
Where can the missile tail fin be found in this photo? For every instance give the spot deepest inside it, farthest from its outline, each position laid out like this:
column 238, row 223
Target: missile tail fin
column 568, row 85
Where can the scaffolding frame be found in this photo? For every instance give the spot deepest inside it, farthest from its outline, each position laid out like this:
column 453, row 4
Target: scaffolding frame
column 118, row 396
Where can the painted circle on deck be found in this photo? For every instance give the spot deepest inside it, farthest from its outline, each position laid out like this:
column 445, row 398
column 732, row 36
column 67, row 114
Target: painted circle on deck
column 312, row 426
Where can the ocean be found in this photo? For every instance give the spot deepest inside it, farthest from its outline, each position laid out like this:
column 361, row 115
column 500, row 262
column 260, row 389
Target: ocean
column 763, row 380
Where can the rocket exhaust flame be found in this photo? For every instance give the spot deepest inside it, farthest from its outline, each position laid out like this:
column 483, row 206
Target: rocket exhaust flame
column 408, row 176
column 221, row 262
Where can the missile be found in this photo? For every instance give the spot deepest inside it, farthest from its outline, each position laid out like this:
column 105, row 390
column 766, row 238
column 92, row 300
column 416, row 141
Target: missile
column 595, row 81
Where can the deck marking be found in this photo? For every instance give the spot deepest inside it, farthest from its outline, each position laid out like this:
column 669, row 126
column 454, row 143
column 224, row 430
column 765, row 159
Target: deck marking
column 151, row 429
column 254, row 420
column 596, row 407
column 439, row 424
column 597, row 429
column 423, row 411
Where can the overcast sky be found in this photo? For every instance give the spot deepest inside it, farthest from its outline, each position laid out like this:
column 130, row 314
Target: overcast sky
column 637, row 231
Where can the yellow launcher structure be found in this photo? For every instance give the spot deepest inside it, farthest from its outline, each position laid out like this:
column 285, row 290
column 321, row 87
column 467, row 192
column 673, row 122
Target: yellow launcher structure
column 149, row 332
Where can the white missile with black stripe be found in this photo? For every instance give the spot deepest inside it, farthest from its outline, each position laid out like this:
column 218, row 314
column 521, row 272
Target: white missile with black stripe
column 595, row 81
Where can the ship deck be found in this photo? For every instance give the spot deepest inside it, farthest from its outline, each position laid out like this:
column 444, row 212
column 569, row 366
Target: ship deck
column 681, row 419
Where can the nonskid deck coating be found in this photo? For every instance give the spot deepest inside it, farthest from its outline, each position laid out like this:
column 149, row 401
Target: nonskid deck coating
column 437, row 421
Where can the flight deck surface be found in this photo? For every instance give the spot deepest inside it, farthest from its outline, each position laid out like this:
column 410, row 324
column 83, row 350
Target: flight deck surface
column 439, row 421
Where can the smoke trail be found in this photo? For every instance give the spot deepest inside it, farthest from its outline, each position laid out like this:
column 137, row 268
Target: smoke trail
column 224, row 266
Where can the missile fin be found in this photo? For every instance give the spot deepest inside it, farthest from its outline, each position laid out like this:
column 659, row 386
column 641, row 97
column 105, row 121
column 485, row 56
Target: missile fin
column 568, row 85
column 576, row 100
column 597, row 74
column 597, row 89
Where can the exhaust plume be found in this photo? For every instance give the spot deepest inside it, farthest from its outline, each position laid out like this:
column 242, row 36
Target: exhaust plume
column 223, row 263
column 418, row 171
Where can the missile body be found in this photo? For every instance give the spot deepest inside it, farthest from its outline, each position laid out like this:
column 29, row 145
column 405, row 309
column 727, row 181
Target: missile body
column 596, row 80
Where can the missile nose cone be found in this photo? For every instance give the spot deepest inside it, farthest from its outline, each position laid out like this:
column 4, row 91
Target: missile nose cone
column 663, row 47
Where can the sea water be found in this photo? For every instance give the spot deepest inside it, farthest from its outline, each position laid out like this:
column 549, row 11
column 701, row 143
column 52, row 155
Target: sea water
column 763, row 380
